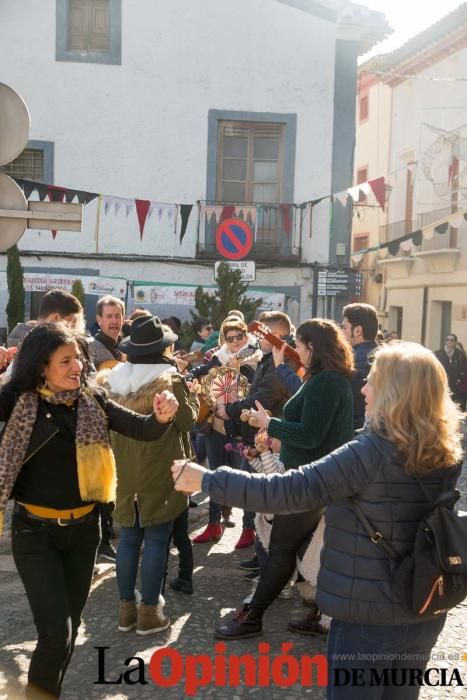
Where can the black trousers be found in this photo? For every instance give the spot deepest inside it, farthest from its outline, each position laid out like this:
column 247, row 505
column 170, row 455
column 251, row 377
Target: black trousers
column 184, row 546
column 55, row 565
column 107, row 522
column 287, row 534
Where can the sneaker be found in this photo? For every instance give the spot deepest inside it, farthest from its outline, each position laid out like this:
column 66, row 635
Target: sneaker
column 286, row 592
column 250, row 564
column 181, row 585
column 245, row 623
column 127, row 615
column 247, row 538
column 107, row 551
column 212, row 533
column 151, row 619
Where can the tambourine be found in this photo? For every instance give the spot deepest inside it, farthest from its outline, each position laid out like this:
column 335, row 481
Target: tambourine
column 224, row 385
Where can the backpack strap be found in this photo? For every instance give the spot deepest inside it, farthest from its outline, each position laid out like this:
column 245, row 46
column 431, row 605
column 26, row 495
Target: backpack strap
column 375, row 536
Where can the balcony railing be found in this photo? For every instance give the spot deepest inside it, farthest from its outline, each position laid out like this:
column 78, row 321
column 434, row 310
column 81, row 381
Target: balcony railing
column 277, row 229
column 440, row 241
column 389, row 232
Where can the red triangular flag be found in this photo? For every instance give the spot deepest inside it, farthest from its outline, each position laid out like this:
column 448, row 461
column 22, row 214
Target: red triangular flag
column 142, row 208
column 56, row 194
column 379, row 190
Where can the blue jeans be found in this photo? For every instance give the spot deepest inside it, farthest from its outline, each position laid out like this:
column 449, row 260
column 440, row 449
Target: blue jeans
column 378, row 651
column 156, row 539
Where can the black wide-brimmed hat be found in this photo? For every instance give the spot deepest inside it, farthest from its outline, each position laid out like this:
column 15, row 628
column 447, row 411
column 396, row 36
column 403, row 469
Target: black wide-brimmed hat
column 147, row 336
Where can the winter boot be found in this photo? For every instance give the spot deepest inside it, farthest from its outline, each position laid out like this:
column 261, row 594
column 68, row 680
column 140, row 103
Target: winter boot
column 212, row 533
column 247, row 538
column 127, row 615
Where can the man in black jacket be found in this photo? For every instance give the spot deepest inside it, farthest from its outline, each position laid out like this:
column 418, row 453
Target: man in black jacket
column 455, row 365
column 360, row 326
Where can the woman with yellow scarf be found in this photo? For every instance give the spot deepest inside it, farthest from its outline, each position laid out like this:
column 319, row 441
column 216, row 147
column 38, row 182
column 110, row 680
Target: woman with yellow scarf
column 56, row 461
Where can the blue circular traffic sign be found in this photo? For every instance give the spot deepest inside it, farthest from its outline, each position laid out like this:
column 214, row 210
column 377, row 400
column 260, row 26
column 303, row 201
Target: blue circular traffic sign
column 234, row 239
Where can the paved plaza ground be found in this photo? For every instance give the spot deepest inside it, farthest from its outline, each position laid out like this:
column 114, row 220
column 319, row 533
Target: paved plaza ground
column 219, row 588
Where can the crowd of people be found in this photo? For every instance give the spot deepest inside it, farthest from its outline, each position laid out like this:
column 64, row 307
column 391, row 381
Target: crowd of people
column 326, row 414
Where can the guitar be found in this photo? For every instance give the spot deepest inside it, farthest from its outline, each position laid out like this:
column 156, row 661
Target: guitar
column 261, row 331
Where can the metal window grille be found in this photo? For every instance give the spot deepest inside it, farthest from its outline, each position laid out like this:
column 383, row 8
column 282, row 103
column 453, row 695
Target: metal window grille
column 29, row 165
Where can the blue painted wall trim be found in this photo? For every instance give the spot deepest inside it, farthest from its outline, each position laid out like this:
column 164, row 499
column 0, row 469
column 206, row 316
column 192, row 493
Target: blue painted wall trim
column 290, row 141
column 48, row 148
column 343, row 146
column 62, row 53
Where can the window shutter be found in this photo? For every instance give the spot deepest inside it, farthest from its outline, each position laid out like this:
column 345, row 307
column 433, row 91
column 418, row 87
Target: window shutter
column 99, row 25
column 78, row 25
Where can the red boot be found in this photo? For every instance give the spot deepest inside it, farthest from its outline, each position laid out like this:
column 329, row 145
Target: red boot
column 247, row 538
column 212, row 533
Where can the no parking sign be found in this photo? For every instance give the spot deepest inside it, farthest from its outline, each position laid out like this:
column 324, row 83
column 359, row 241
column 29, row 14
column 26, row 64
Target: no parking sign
column 234, row 239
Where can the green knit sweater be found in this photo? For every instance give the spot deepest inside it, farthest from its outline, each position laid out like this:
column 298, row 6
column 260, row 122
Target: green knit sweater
column 317, row 419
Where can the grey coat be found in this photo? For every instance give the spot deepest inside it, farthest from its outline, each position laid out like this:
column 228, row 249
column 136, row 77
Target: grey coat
column 354, row 583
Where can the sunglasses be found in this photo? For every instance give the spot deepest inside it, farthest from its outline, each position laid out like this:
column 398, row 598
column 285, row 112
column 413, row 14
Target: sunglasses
column 233, row 338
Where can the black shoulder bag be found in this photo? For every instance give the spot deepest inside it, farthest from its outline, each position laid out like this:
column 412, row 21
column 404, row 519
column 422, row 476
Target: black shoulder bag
column 432, row 578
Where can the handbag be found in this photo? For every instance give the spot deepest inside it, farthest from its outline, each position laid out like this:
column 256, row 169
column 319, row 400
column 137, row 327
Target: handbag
column 432, row 578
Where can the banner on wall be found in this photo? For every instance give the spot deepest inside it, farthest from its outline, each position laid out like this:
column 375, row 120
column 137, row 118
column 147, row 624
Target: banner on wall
column 172, row 294
column 96, row 286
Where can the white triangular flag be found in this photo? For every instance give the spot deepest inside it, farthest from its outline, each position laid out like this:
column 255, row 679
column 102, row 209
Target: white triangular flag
column 407, row 245
column 342, row 197
column 365, row 188
column 428, row 233
column 108, row 201
column 354, row 192
column 129, row 206
column 456, row 222
column 357, row 258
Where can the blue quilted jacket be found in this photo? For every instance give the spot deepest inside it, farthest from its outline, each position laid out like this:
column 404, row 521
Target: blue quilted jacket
column 355, row 579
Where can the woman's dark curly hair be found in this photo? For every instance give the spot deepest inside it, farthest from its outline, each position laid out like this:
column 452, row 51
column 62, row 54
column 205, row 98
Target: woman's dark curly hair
column 330, row 350
column 35, row 352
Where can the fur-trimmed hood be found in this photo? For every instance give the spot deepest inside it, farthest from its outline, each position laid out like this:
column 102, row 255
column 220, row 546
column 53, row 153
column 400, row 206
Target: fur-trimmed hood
column 133, row 386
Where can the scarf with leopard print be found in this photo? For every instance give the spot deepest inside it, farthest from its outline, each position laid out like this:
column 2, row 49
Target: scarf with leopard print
column 94, row 456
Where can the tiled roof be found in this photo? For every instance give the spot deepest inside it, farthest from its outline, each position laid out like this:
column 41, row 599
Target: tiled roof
column 419, row 43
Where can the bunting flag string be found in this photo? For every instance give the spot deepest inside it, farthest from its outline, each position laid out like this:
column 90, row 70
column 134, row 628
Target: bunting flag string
column 414, row 239
column 211, row 213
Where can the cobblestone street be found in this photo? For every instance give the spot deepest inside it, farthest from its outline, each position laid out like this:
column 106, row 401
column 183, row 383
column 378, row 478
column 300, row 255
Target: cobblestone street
column 219, row 588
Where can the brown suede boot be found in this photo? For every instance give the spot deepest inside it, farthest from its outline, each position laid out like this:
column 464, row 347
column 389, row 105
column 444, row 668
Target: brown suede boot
column 151, row 619
column 127, row 615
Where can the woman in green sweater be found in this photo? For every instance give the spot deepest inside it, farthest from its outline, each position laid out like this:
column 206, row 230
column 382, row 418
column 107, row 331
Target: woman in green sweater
column 317, row 420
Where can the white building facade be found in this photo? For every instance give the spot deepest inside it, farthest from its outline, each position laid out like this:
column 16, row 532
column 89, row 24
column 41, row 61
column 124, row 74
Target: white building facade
column 176, row 102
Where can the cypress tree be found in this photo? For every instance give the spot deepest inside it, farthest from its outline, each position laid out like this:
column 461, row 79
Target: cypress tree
column 14, row 273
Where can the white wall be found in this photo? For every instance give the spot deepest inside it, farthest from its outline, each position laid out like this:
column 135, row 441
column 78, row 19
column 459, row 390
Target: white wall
column 140, row 129
column 416, row 105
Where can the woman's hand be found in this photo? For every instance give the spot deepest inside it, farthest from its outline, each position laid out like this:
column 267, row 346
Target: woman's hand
column 187, row 476
column 221, row 412
column 234, row 363
column 165, row 406
column 278, row 354
column 261, row 417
